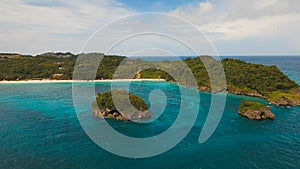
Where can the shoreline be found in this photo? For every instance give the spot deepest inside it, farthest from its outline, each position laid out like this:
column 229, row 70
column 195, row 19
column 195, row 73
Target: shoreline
column 79, row 81
column 45, row 81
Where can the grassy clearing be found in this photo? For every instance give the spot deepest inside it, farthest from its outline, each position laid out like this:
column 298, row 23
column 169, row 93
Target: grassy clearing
column 292, row 95
column 248, row 105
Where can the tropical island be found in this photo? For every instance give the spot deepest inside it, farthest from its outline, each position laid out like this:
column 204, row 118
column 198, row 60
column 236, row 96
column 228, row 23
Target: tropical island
column 104, row 106
column 242, row 78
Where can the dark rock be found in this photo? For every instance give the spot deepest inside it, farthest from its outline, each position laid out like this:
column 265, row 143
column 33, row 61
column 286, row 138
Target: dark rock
column 253, row 93
column 258, row 114
column 115, row 114
column 255, row 110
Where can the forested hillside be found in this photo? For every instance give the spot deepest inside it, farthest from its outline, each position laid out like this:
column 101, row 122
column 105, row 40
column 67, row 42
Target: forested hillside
column 241, row 77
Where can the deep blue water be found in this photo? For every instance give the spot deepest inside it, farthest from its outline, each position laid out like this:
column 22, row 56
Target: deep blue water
column 40, row 129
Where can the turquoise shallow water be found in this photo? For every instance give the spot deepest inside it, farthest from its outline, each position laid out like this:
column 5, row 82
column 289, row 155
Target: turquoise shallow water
column 39, row 129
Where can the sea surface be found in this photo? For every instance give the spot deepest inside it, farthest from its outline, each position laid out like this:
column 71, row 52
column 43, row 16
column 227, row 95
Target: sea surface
column 39, row 129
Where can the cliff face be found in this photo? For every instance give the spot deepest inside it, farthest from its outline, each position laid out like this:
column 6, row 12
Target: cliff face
column 260, row 114
column 255, row 111
column 115, row 114
column 245, row 93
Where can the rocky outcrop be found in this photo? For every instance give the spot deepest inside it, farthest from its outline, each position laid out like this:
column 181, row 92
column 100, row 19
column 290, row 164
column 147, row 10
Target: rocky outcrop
column 115, row 114
column 130, row 107
column 260, row 114
column 236, row 91
column 204, row 89
column 255, row 110
column 253, row 93
column 284, row 101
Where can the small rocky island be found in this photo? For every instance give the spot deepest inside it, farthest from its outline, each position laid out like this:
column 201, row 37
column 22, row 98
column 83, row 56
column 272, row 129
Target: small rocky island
column 255, row 111
column 130, row 109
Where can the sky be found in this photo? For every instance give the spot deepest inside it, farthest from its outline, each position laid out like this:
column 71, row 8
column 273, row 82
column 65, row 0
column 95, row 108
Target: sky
column 232, row 27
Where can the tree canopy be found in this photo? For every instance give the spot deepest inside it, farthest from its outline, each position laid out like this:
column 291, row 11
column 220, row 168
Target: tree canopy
column 105, row 100
column 240, row 75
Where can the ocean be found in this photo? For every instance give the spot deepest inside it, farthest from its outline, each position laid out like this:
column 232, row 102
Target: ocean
column 40, row 129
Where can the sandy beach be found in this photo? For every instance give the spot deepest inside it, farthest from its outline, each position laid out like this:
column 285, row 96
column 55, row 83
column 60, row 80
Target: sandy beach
column 79, row 81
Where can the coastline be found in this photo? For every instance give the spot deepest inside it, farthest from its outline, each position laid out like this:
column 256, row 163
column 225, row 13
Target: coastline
column 79, row 81
column 282, row 102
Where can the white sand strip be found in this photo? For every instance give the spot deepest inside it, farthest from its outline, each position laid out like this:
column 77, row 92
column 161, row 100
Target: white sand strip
column 75, row 81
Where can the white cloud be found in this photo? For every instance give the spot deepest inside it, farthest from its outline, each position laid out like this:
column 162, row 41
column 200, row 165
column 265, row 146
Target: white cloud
column 192, row 9
column 234, row 26
column 38, row 26
column 247, row 22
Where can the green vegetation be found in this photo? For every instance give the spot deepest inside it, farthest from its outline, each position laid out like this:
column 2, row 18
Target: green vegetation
column 255, row 110
column 263, row 79
column 50, row 66
column 108, row 66
column 285, row 98
column 241, row 77
column 247, row 105
column 46, row 66
column 156, row 74
column 105, row 100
